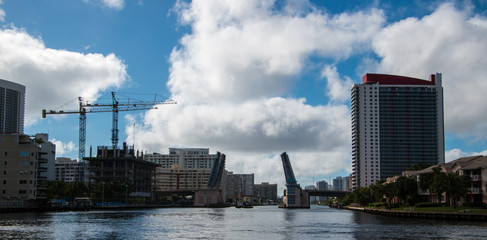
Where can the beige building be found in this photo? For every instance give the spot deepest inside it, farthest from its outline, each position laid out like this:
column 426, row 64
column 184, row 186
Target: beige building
column 23, row 168
column 182, row 168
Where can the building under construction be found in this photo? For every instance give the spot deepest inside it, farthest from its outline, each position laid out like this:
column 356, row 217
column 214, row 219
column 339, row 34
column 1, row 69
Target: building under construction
column 123, row 165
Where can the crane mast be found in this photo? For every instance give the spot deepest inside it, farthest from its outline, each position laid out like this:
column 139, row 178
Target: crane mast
column 114, row 107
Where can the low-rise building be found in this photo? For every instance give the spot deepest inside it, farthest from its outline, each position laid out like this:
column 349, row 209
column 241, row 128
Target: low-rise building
column 474, row 166
column 182, row 168
column 23, row 168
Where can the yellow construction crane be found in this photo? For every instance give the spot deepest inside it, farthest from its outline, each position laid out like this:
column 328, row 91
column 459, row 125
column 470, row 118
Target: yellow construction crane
column 113, row 107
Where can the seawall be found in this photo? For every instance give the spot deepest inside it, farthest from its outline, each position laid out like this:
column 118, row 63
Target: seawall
column 425, row 215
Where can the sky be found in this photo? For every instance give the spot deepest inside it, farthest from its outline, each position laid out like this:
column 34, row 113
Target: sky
column 251, row 79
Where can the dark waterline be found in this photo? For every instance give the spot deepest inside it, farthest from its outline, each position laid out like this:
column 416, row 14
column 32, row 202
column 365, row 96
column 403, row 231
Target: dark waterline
column 230, row 223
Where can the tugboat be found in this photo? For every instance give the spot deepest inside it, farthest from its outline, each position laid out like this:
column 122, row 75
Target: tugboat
column 238, row 203
column 247, row 205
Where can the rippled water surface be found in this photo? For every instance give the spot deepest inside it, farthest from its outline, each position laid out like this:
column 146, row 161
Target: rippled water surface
column 267, row 222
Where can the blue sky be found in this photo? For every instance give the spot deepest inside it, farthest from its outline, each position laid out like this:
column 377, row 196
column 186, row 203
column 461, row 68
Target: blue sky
column 252, row 78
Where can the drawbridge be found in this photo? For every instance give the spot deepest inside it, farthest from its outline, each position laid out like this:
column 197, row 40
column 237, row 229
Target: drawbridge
column 294, row 196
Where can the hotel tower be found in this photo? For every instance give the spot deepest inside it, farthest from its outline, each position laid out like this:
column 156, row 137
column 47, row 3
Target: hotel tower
column 396, row 122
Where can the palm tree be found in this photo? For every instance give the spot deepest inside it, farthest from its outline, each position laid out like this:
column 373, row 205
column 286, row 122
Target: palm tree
column 453, row 185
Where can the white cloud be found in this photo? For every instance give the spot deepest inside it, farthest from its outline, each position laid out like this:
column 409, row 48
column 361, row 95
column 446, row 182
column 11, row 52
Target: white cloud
column 337, row 89
column 2, row 13
column 113, row 4
column 63, row 148
column 230, row 76
column 457, row 153
column 53, row 77
column 450, row 41
column 244, row 50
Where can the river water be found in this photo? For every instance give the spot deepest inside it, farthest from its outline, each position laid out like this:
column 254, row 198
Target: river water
column 266, row 222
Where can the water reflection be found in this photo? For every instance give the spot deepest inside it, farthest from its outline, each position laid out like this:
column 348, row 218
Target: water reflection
column 230, row 223
column 369, row 226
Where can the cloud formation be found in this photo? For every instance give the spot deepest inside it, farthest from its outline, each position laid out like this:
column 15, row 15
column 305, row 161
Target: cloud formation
column 450, row 41
column 53, row 77
column 457, row 153
column 232, row 76
column 113, row 4
column 63, row 148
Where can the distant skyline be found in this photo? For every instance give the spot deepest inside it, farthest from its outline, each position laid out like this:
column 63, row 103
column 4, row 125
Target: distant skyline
column 252, row 78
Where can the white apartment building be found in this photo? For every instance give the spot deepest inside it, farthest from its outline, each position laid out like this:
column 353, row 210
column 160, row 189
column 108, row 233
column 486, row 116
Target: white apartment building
column 68, row 170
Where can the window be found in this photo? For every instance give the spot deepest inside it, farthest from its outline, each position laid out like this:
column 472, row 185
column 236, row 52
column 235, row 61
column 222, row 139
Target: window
column 4, row 181
column 5, row 163
column 24, row 154
column 22, row 181
column 6, row 153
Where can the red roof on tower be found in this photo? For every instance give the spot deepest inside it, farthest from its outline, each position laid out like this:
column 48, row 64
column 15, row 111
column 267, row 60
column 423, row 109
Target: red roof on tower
column 385, row 79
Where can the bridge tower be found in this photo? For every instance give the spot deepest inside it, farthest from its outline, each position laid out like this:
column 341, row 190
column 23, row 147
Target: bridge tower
column 212, row 196
column 294, row 196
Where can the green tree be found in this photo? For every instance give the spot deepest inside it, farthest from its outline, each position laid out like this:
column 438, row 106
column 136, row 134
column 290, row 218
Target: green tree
column 407, row 189
column 377, row 191
column 390, row 191
column 55, row 189
column 76, row 189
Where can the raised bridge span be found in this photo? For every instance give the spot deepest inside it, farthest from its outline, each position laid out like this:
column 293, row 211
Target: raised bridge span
column 294, row 196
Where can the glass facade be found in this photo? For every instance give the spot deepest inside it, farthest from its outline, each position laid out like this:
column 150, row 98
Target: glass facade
column 408, row 128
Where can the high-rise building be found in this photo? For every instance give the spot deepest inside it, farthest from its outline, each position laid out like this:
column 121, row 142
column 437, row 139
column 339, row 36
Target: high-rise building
column 322, row 185
column 396, row 122
column 238, row 186
column 266, row 191
column 12, row 100
column 338, row 183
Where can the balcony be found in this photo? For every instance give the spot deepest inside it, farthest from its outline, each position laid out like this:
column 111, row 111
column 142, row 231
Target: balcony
column 475, row 177
column 475, row 190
